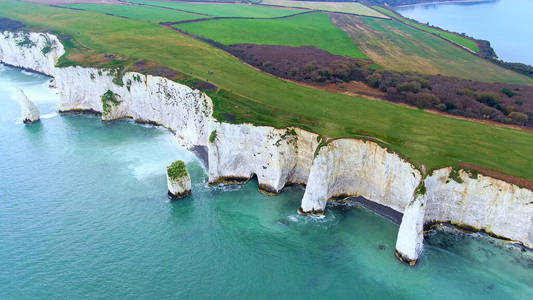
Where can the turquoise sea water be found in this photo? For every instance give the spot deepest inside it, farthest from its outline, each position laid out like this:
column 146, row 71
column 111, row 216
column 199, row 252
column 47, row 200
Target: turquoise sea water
column 507, row 24
column 84, row 214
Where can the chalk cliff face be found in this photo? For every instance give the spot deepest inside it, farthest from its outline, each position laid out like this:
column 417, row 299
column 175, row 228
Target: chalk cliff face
column 349, row 167
column 276, row 156
column 185, row 111
column 483, row 202
column 344, row 167
column 29, row 112
column 410, row 241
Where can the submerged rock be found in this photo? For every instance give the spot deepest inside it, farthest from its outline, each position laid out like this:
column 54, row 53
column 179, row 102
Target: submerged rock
column 30, row 112
column 178, row 180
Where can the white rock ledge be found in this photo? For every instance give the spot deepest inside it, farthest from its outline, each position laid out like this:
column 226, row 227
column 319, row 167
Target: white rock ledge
column 29, row 112
column 343, row 167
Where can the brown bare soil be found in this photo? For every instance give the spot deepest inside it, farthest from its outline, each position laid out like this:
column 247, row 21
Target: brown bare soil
column 522, row 182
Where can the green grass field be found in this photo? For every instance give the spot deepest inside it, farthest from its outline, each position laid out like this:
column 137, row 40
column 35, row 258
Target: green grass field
column 394, row 45
column 422, row 137
column 146, row 13
column 313, row 29
column 345, row 7
column 225, row 10
column 447, row 35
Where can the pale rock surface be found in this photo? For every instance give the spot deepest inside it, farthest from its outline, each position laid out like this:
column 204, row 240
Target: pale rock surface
column 485, row 203
column 185, row 111
column 351, row 167
column 276, row 156
column 29, row 112
column 179, row 187
column 410, row 241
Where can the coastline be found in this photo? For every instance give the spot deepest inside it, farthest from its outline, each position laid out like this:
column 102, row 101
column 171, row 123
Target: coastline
column 279, row 157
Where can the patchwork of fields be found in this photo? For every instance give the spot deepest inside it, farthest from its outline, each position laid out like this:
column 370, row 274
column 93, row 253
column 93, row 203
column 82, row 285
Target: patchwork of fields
column 247, row 95
column 396, row 46
column 224, row 10
column 313, row 29
column 447, row 35
column 343, row 7
column 146, row 13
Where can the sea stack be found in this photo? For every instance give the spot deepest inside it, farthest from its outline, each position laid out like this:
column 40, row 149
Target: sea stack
column 178, row 180
column 30, row 112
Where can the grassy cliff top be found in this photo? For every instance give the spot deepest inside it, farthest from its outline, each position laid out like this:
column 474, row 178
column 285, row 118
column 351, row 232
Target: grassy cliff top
column 177, row 170
column 247, row 95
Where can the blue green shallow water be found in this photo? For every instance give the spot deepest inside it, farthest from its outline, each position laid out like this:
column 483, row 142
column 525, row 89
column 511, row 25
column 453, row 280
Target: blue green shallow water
column 84, row 214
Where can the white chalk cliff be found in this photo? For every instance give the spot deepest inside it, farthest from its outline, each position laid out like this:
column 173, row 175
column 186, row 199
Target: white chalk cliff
column 343, row 167
column 28, row 110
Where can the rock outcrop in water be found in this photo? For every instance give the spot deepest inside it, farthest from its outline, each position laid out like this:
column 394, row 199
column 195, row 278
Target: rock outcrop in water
column 178, row 180
column 339, row 168
column 29, row 112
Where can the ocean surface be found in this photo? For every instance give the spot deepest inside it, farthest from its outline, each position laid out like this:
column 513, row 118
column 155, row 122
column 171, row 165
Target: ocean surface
column 84, row 214
column 507, row 24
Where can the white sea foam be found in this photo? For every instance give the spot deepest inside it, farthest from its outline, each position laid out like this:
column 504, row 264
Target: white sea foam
column 49, row 116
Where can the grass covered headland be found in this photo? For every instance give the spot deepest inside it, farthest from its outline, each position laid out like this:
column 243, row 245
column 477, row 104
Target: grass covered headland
column 245, row 94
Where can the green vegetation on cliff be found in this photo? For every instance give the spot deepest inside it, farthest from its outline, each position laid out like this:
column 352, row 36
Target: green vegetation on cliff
column 247, row 95
column 177, row 170
column 109, row 99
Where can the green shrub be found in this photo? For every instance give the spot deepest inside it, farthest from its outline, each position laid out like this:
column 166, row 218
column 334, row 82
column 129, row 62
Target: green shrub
column 489, row 98
column 374, row 80
column 488, row 112
column 411, row 86
column 441, row 106
column 177, row 170
column 423, row 100
column 465, row 92
column 26, row 42
column 48, row 45
column 455, row 175
column 109, row 99
column 421, row 189
column 508, row 92
column 518, row 117
column 212, row 136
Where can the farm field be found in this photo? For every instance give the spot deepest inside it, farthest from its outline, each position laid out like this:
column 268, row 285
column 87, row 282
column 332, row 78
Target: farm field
column 344, row 7
column 225, row 10
column 447, row 35
column 313, row 29
column 396, row 46
column 255, row 97
column 146, row 13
